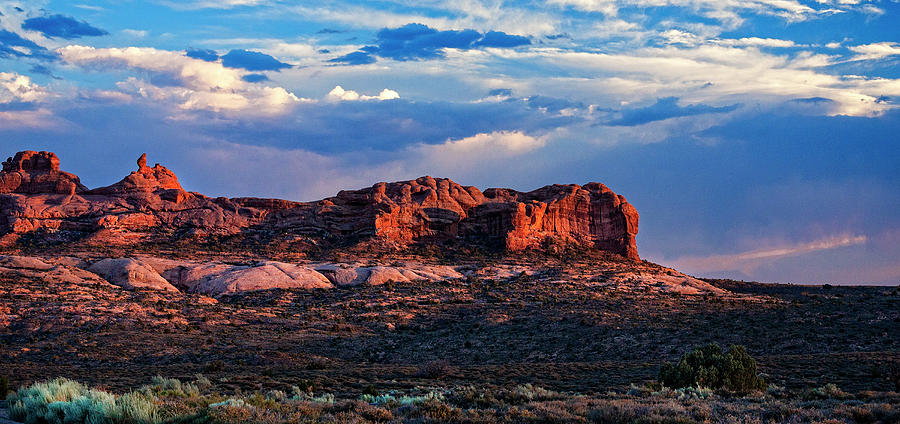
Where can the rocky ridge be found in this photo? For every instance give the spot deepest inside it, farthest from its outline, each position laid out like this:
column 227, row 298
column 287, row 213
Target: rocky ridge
column 41, row 204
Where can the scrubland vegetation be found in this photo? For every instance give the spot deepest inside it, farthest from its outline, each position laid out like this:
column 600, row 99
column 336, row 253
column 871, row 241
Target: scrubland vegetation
column 166, row 400
column 534, row 348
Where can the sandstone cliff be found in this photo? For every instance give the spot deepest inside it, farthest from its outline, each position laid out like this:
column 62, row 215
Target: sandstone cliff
column 150, row 206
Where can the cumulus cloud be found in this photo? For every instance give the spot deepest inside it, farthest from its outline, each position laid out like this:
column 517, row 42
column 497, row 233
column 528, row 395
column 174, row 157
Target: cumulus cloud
column 416, row 41
column 339, row 94
column 62, row 26
column 502, row 142
column 200, row 85
column 16, row 88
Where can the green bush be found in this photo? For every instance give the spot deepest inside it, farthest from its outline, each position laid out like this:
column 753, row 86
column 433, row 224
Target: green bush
column 63, row 401
column 710, row 367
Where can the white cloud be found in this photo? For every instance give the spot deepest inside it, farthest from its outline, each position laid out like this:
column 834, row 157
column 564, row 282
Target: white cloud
column 723, row 10
column 508, row 19
column 38, row 118
column 676, row 36
column 136, row 33
column 339, row 94
column 875, row 50
column 708, row 73
column 748, row 261
column 607, row 7
column 324, row 175
column 212, row 4
column 755, row 42
column 203, row 85
column 500, row 142
column 19, row 88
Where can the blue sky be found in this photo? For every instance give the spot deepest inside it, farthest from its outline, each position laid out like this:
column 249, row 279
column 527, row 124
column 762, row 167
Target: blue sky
column 758, row 139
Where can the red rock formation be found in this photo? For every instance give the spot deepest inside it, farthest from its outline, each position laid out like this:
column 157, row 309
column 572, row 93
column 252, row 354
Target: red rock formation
column 590, row 216
column 37, row 172
column 146, row 180
column 150, row 205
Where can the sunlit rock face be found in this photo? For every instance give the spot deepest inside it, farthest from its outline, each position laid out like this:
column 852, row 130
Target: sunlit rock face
column 591, row 216
column 150, row 206
column 32, row 172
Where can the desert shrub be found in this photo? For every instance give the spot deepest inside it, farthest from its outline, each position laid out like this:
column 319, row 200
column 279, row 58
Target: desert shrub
column 214, row 366
column 828, row 391
column 64, row 401
column 370, row 390
column 162, row 386
column 434, row 370
column 405, row 400
column 631, row 412
column 325, row 398
column 134, row 407
column 202, row 382
column 524, row 393
column 710, row 367
column 362, row 409
column 473, row 397
column 229, row 403
column 305, row 386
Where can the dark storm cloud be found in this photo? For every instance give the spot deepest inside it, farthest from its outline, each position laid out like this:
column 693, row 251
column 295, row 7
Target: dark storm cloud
column 202, row 54
column 10, row 40
column 417, row 41
column 252, row 61
column 355, row 58
column 62, row 26
column 665, row 108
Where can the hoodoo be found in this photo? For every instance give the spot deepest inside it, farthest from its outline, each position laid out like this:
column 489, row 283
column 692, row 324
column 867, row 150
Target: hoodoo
column 149, row 205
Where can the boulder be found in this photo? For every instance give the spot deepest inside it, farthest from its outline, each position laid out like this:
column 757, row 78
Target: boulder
column 130, row 273
column 265, row 276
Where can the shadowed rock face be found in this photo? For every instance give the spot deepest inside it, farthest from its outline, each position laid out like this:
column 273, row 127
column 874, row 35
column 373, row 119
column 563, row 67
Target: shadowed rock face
column 149, row 205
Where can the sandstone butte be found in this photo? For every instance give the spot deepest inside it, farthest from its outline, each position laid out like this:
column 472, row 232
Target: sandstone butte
column 150, row 206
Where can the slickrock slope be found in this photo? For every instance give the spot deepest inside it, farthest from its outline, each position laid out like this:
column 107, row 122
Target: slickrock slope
column 150, row 206
column 216, row 278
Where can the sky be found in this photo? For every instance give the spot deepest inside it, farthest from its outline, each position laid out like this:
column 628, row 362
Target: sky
column 758, row 139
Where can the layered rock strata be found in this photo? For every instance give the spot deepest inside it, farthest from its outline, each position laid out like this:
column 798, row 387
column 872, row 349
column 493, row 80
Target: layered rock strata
column 150, row 206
